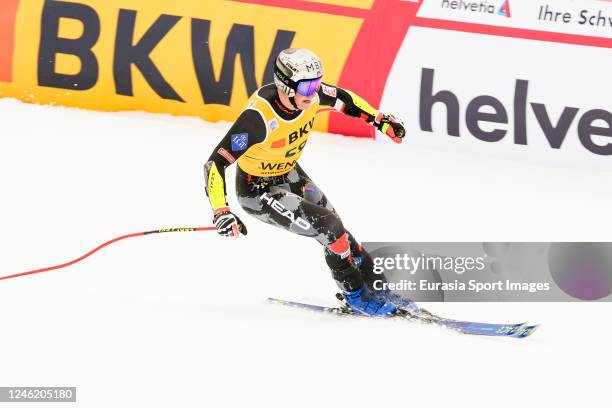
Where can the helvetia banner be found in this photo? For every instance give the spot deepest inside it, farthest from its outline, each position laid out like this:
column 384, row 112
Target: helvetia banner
column 521, row 79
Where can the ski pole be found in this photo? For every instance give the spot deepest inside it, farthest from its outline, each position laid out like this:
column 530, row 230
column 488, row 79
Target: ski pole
column 112, row 241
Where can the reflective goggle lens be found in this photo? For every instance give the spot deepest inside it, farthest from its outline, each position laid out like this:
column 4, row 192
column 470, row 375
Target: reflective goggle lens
column 308, row 87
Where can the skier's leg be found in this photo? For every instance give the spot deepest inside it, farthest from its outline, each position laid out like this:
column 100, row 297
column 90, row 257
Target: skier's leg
column 359, row 258
column 302, row 184
column 275, row 200
column 271, row 200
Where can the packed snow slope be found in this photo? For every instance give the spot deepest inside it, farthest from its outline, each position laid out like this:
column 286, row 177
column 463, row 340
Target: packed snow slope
column 181, row 320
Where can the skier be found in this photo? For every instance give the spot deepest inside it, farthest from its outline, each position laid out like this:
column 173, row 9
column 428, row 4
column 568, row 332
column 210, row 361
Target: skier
column 266, row 142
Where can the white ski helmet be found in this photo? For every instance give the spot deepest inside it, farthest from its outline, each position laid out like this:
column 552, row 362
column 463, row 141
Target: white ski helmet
column 298, row 70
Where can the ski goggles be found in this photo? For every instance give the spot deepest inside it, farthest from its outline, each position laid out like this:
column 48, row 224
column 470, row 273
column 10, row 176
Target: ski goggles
column 308, row 87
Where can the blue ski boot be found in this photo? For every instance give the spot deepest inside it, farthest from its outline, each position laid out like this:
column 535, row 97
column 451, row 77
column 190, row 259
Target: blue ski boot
column 368, row 302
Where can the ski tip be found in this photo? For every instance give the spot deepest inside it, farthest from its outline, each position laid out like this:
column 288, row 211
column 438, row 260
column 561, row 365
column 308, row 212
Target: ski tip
column 517, row 330
column 526, row 331
column 279, row 301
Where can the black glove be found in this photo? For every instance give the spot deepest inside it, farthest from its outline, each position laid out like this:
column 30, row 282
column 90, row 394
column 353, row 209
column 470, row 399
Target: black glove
column 228, row 224
column 390, row 126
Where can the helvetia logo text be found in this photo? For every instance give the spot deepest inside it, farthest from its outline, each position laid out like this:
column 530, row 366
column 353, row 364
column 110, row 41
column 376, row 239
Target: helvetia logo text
column 594, row 127
column 501, row 8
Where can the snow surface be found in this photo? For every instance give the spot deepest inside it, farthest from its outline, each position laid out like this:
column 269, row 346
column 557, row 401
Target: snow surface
column 181, row 319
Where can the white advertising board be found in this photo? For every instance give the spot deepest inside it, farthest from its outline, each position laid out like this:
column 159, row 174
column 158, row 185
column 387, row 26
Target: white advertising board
column 470, row 79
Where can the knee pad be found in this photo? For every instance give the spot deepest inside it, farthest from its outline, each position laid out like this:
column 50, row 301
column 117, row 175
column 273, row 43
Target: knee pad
column 341, row 247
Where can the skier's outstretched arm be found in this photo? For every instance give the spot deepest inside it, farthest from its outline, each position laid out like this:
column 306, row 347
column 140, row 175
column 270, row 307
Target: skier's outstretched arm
column 249, row 129
column 351, row 104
